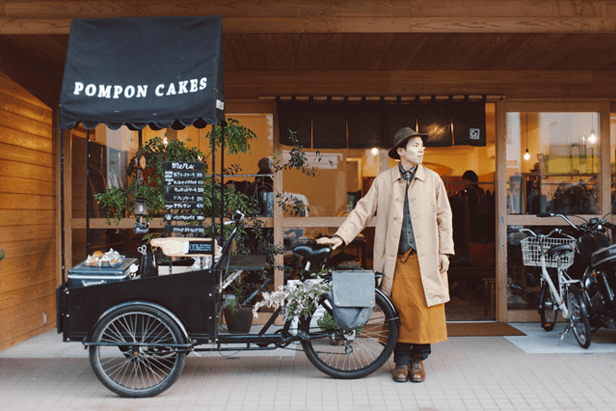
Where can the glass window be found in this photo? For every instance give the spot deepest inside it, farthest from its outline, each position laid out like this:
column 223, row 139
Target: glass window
column 553, row 162
column 109, row 152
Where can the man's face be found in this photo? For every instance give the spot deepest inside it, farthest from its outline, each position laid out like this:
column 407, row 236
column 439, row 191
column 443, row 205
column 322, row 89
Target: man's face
column 413, row 152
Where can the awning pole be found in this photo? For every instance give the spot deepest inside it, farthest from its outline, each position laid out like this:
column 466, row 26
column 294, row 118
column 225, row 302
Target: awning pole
column 222, row 176
column 87, row 193
column 213, row 144
column 62, row 244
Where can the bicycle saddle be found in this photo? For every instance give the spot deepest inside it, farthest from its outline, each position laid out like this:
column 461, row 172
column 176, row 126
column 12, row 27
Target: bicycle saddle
column 563, row 248
column 313, row 251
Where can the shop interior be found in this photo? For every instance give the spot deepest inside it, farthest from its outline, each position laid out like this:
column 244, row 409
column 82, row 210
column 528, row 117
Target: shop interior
column 342, row 176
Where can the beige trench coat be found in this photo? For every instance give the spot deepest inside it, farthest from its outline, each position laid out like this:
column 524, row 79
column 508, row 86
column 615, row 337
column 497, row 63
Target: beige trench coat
column 432, row 226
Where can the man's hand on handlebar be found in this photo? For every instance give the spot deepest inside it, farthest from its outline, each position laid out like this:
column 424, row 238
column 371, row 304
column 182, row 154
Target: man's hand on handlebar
column 334, row 241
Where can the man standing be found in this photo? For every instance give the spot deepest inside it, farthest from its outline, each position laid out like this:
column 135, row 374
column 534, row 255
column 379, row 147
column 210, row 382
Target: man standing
column 412, row 243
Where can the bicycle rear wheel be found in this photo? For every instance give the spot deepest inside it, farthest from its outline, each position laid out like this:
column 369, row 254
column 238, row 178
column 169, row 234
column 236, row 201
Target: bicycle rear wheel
column 355, row 354
column 548, row 308
column 578, row 316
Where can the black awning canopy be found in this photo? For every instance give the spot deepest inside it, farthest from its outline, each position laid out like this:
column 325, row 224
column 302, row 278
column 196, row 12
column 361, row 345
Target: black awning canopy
column 156, row 71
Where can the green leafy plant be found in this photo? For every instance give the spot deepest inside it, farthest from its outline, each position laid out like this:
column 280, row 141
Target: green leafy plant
column 148, row 184
column 2, row 254
column 118, row 202
column 327, row 323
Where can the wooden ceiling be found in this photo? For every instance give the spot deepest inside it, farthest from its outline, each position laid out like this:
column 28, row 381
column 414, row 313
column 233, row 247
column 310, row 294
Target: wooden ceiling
column 513, row 47
column 419, row 51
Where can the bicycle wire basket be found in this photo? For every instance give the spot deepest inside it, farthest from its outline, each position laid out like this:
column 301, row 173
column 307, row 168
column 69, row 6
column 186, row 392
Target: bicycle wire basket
column 531, row 252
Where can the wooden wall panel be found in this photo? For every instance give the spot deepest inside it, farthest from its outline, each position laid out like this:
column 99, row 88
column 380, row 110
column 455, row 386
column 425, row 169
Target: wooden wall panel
column 27, row 216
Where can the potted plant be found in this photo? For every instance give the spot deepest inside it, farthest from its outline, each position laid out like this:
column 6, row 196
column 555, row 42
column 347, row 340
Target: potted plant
column 237, row 312
column 148, row 185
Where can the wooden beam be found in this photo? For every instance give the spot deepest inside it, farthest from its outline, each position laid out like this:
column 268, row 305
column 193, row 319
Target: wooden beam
column 265, row 25
column 501, row 212
column 329, row 16
column 518, row 83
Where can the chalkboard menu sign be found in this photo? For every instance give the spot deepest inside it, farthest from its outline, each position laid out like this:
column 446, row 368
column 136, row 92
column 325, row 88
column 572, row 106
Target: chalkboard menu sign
column 187, row 229
column 184, row 192
column 184, row 217
column 182, row 165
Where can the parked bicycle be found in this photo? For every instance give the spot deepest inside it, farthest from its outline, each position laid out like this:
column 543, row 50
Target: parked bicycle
column 139, row 332
column 559, row 293
column 599, row 279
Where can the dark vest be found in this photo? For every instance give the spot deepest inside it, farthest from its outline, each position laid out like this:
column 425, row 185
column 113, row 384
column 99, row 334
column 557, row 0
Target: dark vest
column 407, row 237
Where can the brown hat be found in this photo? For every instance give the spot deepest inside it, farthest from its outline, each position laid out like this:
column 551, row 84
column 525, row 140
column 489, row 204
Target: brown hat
column 402, row 137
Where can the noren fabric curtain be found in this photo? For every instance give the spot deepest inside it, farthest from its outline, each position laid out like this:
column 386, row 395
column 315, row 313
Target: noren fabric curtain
column 366, row 124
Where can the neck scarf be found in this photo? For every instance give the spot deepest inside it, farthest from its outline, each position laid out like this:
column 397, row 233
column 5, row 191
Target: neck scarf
column 407, row 174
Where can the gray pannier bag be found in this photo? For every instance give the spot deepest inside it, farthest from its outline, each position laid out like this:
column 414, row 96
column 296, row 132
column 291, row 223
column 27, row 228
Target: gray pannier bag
column 352, row 298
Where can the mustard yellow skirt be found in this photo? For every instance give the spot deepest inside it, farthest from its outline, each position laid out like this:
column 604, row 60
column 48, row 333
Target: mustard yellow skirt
column 419, row 324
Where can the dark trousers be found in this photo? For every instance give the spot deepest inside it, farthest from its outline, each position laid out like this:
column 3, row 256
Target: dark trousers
column 404, row 351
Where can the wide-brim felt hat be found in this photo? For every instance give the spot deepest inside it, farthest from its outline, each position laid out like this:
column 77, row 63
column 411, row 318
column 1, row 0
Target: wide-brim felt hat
column 401, row 137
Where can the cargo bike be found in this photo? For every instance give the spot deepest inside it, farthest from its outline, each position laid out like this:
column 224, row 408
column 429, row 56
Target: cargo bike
column 140, row 330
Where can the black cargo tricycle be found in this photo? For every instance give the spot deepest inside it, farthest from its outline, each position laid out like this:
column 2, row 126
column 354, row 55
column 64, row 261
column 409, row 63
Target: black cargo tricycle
column 167, row 72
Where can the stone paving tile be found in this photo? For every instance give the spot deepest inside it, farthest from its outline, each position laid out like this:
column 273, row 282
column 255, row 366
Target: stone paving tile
column 463, row 373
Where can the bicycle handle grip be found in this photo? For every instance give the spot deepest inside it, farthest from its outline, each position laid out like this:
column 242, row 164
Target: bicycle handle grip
column 546, row 215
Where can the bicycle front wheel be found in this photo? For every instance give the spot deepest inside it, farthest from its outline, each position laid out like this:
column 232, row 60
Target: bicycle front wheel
column 355, row 354
column 548, row 308
column 578, row 316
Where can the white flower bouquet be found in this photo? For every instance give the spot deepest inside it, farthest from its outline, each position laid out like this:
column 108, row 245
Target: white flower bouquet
column 297, row 298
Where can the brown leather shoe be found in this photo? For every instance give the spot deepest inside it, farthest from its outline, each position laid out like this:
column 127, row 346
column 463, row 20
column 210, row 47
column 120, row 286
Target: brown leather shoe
column 417, row 369
column 401, row 373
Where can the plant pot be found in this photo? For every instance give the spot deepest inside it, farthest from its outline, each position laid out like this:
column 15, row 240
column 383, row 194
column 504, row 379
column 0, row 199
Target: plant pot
column 240, row 321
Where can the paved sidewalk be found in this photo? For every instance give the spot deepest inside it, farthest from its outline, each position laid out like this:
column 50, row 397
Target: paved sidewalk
column 464, row 373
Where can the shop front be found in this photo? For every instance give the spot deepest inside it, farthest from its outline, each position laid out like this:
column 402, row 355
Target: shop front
column 543, row 74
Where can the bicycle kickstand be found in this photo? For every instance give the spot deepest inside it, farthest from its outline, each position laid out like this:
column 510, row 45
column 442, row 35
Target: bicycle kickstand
column 567, row 329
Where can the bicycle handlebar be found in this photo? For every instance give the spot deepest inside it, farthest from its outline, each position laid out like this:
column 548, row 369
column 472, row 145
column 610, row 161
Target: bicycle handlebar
column 564, row 217
column 595, row 224
column 554, row 231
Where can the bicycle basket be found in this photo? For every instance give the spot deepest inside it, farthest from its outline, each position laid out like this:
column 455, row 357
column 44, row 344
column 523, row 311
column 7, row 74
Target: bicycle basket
column 531, row 252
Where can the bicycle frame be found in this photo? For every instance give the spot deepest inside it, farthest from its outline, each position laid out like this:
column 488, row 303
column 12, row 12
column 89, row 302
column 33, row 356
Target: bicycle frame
column 563, row 282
